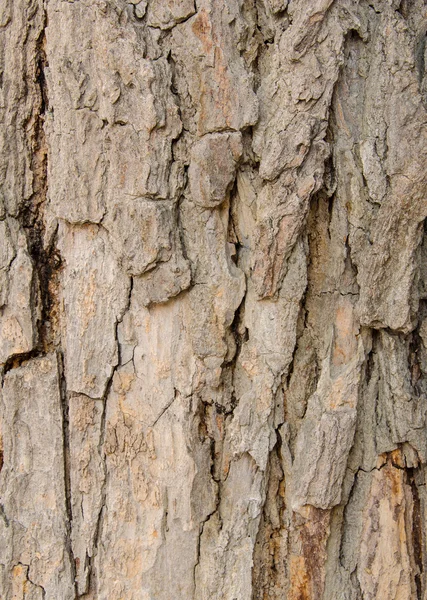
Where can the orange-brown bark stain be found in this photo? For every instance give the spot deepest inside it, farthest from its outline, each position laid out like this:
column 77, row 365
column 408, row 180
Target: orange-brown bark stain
column 307, row 574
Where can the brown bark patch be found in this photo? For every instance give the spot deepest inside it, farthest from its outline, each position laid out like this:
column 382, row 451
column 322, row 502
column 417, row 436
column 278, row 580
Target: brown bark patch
column 307, row 578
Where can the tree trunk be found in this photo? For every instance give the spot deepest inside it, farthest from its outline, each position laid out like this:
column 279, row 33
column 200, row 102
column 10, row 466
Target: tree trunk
column 213, row 299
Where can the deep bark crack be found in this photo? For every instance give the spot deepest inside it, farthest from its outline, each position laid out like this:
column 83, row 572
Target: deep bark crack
column 67, row 472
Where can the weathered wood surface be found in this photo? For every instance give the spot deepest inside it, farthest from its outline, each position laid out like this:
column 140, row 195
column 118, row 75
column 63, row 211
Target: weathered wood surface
column 213, row 300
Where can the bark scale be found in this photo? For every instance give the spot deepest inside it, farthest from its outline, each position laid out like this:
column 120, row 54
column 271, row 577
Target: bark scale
column 213, row 285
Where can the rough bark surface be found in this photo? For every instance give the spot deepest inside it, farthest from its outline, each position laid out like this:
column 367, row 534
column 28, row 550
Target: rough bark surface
column 213, row 299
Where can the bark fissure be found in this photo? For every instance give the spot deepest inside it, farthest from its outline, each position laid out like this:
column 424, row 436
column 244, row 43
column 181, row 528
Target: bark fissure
column 67, row 473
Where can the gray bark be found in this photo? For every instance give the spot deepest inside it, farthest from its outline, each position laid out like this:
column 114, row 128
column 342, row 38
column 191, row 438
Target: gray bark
column 213, row 299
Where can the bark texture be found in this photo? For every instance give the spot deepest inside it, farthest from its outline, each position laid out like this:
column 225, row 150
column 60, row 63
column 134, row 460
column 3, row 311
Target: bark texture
column 213, row 299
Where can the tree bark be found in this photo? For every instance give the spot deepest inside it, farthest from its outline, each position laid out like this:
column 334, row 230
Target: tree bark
column 213, row 286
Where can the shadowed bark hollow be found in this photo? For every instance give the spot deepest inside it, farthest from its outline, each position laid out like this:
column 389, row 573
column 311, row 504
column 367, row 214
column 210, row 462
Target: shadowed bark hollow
column 213, row 299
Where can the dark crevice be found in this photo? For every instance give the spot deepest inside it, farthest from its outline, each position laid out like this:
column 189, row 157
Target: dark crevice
column 17, row 360
column 240, row 333
column 420, row 49
column 204, row 434
column 174, row 88
column 289, row 374
column 180, row 226
column 164, row 409
column 49, row 263
column 417, row 534
column 45, row 257
column 201, row 530
column 27, row 575
column 165, row 30
column 67, row 469
column 89, row 560
column 350, row 265
column 2, row 512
